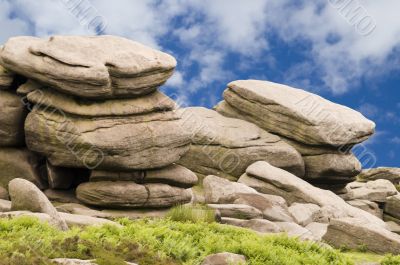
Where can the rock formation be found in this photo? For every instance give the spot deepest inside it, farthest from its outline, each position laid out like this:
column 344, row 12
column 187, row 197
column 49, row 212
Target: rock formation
column 322, row 131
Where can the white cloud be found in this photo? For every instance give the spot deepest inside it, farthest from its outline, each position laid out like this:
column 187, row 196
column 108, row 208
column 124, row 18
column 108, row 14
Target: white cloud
column 395, row 140
column 369, row 110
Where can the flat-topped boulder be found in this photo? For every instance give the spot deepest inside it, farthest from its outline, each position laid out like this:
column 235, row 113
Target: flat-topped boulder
column 132, row 142
column 225, row 147
column 296, row 114
column 12, row 117
column 89, row 66
column 128, row 194
column 174, row 175
column 390, row 173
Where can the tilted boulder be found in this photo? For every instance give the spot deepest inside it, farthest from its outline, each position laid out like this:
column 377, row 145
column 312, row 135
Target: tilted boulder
column 12, row 118
column 353, row 233
column 128, row 194
column 25, row 196
column 271, row 180
column 368, row 206
column 225, row 147
column 305, row 213
column 239, row 211
column 89, row 66
column 259, row 225
column 175, row 175
column 297, row 114
column 20, row 163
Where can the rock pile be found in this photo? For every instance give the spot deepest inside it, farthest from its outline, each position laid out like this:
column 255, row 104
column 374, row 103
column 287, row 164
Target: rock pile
column 322, row 131
column 94, row 104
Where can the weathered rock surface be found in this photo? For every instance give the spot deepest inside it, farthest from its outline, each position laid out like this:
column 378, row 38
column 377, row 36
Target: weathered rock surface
column 393, row 227
column 5, row 205
column 390, row 173
column 65, row 261
column 174, row 175
column 20, row 163
column 271, row 180
column 239, row 211
column 225, row 147
column 224, row 258
column 123, row 143
column 154, row 102
column 375, row 190
column 295, row 230
column 62, row 196
column 12, row 117
column 126, row 194
column 89, row 67
column 368, row 206
column 296, row 114
column 318, row 230
column 25, row 196
column 6, row 78
column 219, row 190
column 305, row 213
column 273, row 208
column 392, row 206
column 259, row 225
column 352, row 232
column 332, row 168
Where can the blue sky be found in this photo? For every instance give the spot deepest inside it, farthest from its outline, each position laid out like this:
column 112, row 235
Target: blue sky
column 344, row 50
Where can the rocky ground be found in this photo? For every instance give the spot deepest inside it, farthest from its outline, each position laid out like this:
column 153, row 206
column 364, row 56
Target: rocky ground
column 87, row 137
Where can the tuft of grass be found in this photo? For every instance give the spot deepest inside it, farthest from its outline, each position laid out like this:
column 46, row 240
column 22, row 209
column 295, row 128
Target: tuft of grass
column 192, row 213
column 391, row 260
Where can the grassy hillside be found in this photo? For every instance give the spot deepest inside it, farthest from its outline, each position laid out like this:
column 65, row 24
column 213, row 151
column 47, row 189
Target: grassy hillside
column 27, row 241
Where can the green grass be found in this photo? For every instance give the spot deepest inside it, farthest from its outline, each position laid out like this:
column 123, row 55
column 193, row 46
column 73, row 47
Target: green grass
column 160, row 242
column 193, row 214
column 27, row 241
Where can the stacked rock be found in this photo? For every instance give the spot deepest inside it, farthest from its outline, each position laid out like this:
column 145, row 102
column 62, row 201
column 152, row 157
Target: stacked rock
column 95, row 105
column 323, row 132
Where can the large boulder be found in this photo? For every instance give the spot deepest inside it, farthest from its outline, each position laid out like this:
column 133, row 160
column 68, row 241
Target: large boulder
column 219, row 190
column 12, row 118
column 25, row 196
column 271, row 180
column 225, row 147
column 20, row 163
column 296, row 114
column 390, row 173
column 305, row 213
column 353, row 233
column 128, row 194
column 108, row 143
column 392, row 206
column 174, row 175
column 90, row 67
column 375, row 190
column 331, row 168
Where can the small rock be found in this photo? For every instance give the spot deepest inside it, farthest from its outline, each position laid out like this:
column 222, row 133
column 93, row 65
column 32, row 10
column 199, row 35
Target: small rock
column 392, row 206
column 83, row 220
column 304, row 213
column 295, row 230
column 317, row 229
column 375, row 190
column 3, row 193
column 5, row 206
column 224, row 258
